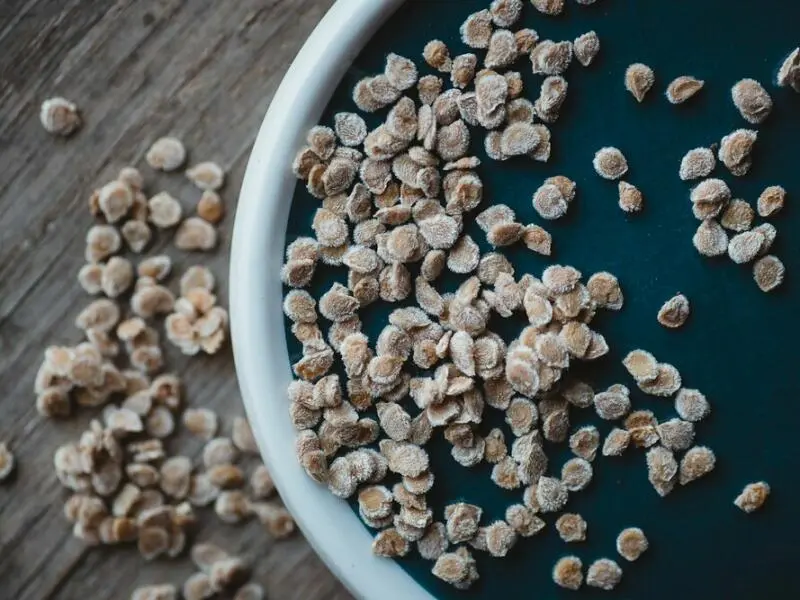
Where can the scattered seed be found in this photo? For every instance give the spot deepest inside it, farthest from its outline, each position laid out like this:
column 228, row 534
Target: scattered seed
column 696, row 463
column 753, row 496
column 585, row 442
column 586, row 47
column 166, row 154
column 59, row 116
column 571, row 527
column 630, row 197
column 745, row 246
column 551, row 58
column 568, row 572
column 437, row 56
column 639, row 78
column 604, row 573
column 610, row 163
column 768, row 273
column 548, row 7
column 682, row 88
column 710, row 238
column 206, row 175
column 673, row 313
column 735, row 151
column 697, row 163
column 752, row 100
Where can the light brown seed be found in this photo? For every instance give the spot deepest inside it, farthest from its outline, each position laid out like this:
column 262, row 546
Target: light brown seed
column 502, row 51
column 771, row 200
column 102, row 241
column 697, row 462
column 610, row 163
column 90, row 278
column 604, row 573
column 166, row 154
column 437, row 56
column 697, row 163
column 538, row 240
column 548, row 7
column 175, row 476
column 390, row 544
column 738, row 216
column 206, row 175
column 768, row 273
column 753, row 496
column 789, row 72
column 571, row 527
column 219, row 451
column 735, row 151
column 586, row 47
column 401, row 72
column 682, row 88
column 195, row 235
column 210, row 207
column 153, row 542
column 519, row 138
column 639, row 78
column 710, row 238
column 568, row 572
column 674, row 312
column 642, row 365
column 477, row 29
column 752, row 100
column 662, row 469
column 136, row 234
column 745, row 246
column 59, row 116
column 585, row 442
column 630, row 197
column 551, row 58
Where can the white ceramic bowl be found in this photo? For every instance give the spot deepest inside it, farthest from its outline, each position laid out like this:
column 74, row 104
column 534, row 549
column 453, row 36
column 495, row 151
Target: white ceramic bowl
column 259, row 342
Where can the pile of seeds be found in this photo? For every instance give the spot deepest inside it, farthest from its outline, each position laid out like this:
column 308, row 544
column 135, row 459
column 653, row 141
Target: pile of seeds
column 393, row 206
column 127, row 485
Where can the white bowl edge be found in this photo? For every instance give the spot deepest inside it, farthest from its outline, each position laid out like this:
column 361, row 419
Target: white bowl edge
column 258, row 337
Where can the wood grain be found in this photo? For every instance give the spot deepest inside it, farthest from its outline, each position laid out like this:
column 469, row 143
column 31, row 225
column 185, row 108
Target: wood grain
column 204, row 71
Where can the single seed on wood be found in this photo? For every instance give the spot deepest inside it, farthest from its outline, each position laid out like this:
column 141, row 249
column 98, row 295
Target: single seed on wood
column 59, row 116
column 206, row 175
column 166, row 154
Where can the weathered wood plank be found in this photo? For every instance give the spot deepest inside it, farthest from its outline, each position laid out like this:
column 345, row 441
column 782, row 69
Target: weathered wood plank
column 204, row 71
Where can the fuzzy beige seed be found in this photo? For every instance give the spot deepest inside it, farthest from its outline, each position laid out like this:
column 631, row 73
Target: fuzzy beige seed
column 710, row 238
column 164, row 210
column 662, row 469
column 437, row 56
column 548, row 7
column 586, row 47
column 571, row 527
column 674, row 312
column 401, row 72
column 551, row 494
column 500, row 538
column 90, row 278
column 604, row 573
column 166, row 154
column 585, row 442
column 697, row 163
column 206, row 175
column 682, row 88
column 642, row 365
column 136, row 234
column 477, row 29
column 568, row 572
column 102, row 241
column 753, row 496
column 390, row 544
column 538, row 240
column 771, row 200
column 576, row 474
column 697, row 462
column 639, row 78
column 59, row 116
column 195, row 234
column 115, row 200
column 630, row 197
column 735, row 151
column 610, row 163
column 250, row 591
column 210, row 207
column 153, row 542
column 752, row 100
column 768, row 273
column 789, row 72
column 201, row 422
column 502, row 51
column 738, row 216
column 551, row 58
column 745, row 246
column 434, row 543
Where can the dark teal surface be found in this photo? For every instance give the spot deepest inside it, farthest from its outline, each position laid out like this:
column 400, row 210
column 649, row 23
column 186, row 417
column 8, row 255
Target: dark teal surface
column 739, row 345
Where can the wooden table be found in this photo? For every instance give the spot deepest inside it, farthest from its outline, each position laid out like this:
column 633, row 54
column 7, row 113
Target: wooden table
column 204, row 71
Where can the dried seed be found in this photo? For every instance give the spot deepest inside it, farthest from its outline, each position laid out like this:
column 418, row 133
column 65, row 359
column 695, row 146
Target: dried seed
column 738, row 216
column 275, row 518
column 696, row 463
column 500, row 538
column 676, row 435
column 662, row 469
column 206, row 175
column 115, row 200
column 551, row 58
column 250, row 591
column 682, row 88
column 210, row 207
column 604, row 573
column 735, row 151
column 568, row 572
column 322, row 141
column 229, row 573
column 631, row 543
column 59, row 116
column 390, row 544
column 90, row 278
column 768, row 273
column 571, row 527
column 672, row 314
column 164, row 210
column 464, row 256
column 642, row 365
column 463, row 70
column 710, row 239
column 639, row 78
column 610, row 163
column 752, row 100
column 160, row 423
column 164, row 591
column 166, row 154
column 195, row 234
column 548, row 7
column 175, row 476
column 477, row 29
column 434, row 543
column 502, row 51
column 201, row 422
column 576, row 474
column 616, row 442
column 612, row 405
column 219, row 451
column 437, row 56
column 789, row 74
column 524, row 520
column 586, row 47
column 630, row 197
column 551, row 494
column 585, row 442
column 101, row 242
column 117, row 276
column 666, row 383
column 100, row 315
column 231, row 506
column 538, row 240
column 745, row 246
column 401, row 72
column 519, row 138
column 153, row 542
column 771, row 200
column 697, row 163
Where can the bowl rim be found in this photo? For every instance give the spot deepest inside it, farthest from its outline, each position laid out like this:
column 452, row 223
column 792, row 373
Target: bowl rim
column 257, row 324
